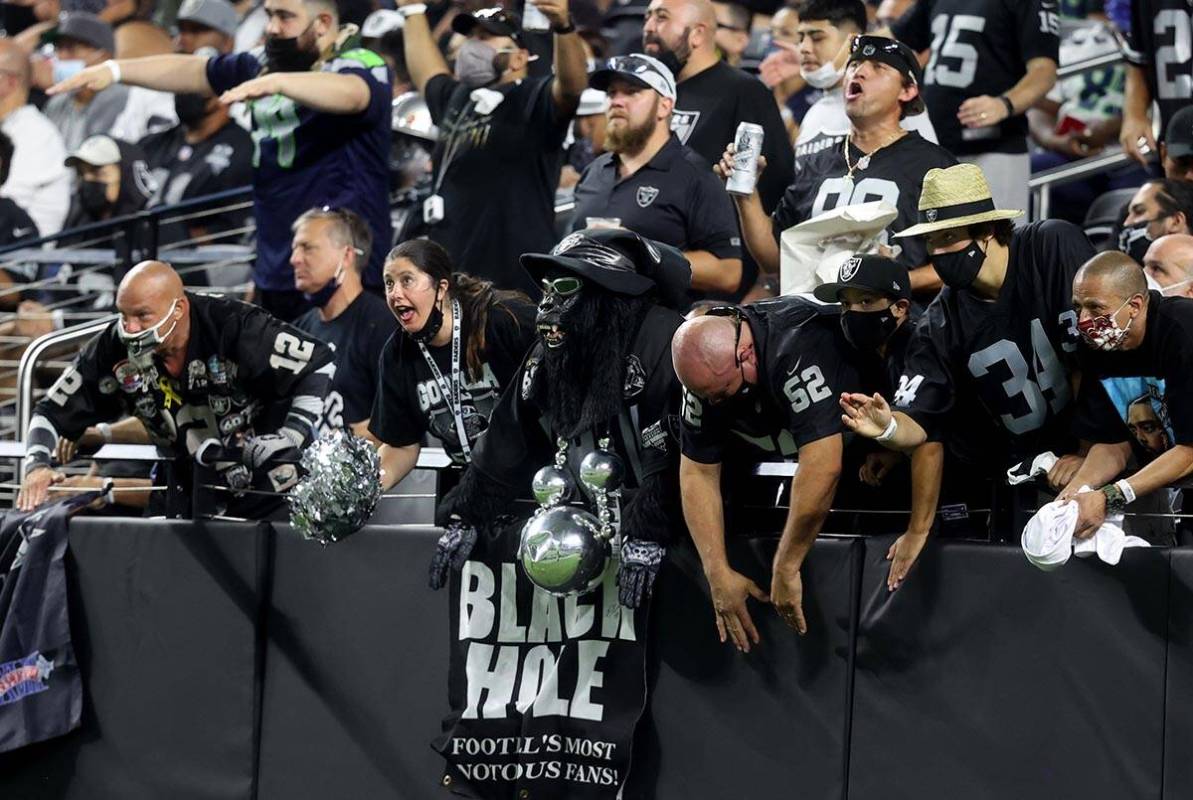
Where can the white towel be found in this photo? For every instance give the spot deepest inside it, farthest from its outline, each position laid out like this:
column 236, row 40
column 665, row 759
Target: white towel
column 1039, row 466
column 1048, row 538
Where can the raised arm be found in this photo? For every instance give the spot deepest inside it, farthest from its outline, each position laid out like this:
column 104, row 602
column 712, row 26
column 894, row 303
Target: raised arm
column 168, row 73
column 423, row 58
column 328, row 92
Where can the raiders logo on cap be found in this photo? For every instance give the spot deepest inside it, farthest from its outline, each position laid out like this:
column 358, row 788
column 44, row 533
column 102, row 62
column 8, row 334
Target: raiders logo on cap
column 930, row 214
column 849, row 269
column 567, row 243
column 868, row 50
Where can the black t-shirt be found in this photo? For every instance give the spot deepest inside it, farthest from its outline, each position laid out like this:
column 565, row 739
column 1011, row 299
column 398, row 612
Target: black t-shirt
column 895, row 174
column 15, row 225
column 183, row 171
column 1161, row 41
column 805, row 365
column 978, row 47
column 497, row 174
column 1145, row 395
column 522, row 436
column 247, row 373
column 708, row 107
column 356, row 337
column 1012, row 356
column 674, row 199
column 409, row 402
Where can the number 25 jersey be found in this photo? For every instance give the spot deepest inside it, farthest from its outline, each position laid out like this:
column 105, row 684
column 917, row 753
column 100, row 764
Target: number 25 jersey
column 1012, row 356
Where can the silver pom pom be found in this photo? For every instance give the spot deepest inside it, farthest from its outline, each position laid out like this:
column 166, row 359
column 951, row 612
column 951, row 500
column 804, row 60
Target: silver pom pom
column 339, row 491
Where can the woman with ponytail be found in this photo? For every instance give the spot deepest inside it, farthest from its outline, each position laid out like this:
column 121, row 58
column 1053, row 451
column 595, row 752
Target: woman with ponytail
column 459, row 342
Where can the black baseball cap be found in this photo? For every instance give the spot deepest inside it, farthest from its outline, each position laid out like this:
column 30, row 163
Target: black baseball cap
column 887, row 51
column 496, row 21
column 618, row 260
column 1178, row 136
column 868, row 273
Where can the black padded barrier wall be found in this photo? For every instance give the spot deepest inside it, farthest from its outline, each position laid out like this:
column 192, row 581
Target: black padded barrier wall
column 236, row 662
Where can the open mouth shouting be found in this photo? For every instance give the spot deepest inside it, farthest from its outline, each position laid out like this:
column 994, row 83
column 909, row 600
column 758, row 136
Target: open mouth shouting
column 551, row 333
column 853, row 90
column 405, row 314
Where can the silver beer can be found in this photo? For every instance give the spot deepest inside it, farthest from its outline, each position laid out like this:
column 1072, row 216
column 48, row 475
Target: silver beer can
column 747, row 148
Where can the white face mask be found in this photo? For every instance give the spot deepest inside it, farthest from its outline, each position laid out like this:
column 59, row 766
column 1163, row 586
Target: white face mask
column 140, row 345
column 823, row 77
column 1170, row 290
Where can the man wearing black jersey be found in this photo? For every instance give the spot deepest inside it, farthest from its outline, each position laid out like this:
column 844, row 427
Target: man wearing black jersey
column 204, row 375
column 877, row 161
column 1001, row 335
column 1159, row 69
column 766, row 374
column 989, row 61
column 331, row 247
column 1128, row 331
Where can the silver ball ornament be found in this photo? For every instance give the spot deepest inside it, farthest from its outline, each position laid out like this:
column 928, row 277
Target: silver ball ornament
column 601, row 469
column 552, row 486
column 563, row 552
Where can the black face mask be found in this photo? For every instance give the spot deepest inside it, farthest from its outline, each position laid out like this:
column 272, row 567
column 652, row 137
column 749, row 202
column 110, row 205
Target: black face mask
column 190, row 108
column 432, row 326
column 93, row 196
column 1134, row 240
column 288, row 54
column 868, row 330
column 960, row 269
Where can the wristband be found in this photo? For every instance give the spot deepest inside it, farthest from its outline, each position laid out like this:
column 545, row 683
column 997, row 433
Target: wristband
column 570, row 27
column 1006, row 101
column 1125, row 488
column 105, row 432
column 107, row 495
column 889, row 432
column 412, row 9
column 113, row 68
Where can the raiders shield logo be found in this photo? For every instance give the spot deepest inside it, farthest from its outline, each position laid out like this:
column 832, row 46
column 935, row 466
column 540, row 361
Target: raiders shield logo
column 849, row 269
column 931, row 214
column 683, row 123
column 646, row 195
column 635, row 377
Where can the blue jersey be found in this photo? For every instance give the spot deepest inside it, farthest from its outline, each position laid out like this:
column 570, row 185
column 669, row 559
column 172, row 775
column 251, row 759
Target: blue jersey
column 304, row 158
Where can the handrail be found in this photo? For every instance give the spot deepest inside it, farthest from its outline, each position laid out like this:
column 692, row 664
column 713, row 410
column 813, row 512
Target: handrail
column 26, row 369
column 1040, row 184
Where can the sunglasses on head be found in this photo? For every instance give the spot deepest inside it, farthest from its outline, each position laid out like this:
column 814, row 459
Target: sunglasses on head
column 562, row 287
column 733, row 313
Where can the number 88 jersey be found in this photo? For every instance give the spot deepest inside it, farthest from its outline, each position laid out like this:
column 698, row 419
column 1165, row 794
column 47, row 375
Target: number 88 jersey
column 978, row 47
column 1008, row 361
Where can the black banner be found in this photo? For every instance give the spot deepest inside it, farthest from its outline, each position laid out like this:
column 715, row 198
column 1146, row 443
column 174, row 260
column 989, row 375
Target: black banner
column 545, row 692
column 41, row 695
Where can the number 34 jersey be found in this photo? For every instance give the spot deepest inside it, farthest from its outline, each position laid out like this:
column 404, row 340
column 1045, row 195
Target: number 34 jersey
column 804, row 365
column 1009, row 361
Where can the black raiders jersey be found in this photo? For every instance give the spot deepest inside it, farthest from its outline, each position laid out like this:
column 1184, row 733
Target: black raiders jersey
column 1012, row 356
column 1161, row 42
column 978, row 47
column 894, row 173
column 805, row 365
column 246, row 373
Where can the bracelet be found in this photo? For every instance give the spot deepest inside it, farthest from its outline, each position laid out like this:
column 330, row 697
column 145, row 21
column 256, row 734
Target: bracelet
column 1006, row 101
column 412, row 9
column 105, row 431
column 1115, row 501
column 889, row 432
column 565, row 29
column 114, row 68
column 1126, row 489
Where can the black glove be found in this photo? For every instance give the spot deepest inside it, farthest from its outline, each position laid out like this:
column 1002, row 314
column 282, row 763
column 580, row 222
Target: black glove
column 640, row 562
column 451, row 551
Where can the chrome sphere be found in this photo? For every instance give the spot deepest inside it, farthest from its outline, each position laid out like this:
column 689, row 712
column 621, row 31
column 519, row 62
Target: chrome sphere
column 562, row 552
column 552, row 486
column 601, row 469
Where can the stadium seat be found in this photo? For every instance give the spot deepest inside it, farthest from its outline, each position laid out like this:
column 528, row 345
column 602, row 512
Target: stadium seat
column 1104, row 216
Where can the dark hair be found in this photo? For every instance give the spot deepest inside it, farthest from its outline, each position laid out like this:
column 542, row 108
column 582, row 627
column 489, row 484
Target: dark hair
column 6, row 151
column 914, row 105
column 1175, row 196
column 1000, row 229
column 834, row 12
column 739, row 15
column 1184, row 164
column 476, row 296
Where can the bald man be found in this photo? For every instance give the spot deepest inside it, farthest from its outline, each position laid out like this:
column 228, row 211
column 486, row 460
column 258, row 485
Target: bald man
column 713, row 97
column 38, row 180
column 1135, row 344
column 219, row 382
column 760, row 382
column 1169, row 262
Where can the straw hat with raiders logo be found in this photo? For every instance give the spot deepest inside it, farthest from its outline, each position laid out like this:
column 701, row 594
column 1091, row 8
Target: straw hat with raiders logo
column 953, row 198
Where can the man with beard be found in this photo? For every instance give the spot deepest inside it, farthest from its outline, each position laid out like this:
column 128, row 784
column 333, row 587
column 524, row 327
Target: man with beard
column 600, row 371
column 712, row 98
column 653, row 185
column 204, row 375
column 878, row 160
column 501, row 137
column 321, row 128
column 763, row 374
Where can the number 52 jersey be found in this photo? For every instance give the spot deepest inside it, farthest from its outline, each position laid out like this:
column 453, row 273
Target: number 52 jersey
column 1008, row 361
